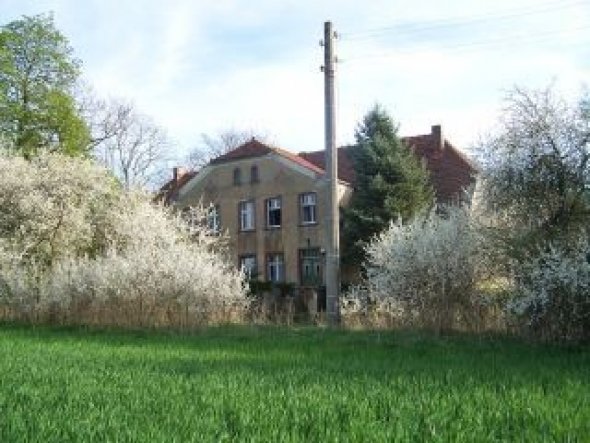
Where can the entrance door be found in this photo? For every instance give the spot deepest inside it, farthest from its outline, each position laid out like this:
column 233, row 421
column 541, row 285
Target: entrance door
column 310, row 267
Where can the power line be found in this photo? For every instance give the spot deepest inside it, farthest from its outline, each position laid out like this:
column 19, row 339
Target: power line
column 414, row 28
column 500, row 42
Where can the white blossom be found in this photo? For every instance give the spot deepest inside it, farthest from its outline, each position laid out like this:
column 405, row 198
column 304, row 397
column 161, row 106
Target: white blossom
column 71, row 237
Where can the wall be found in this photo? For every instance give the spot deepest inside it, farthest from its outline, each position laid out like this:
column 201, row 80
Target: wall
column 278, row 176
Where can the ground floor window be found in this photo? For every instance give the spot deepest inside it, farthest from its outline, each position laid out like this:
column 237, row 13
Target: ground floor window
column 275, row 267
column 248, row 265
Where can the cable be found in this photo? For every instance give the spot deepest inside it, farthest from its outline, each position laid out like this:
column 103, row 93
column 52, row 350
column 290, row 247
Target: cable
column 481, row 43
column 412, row 28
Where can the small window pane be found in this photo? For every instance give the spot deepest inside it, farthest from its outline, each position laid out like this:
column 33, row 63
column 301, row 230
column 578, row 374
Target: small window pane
column 273, row 212
column 254, row 174
column 275, row 268
column 246, row 209
column 237, row 177
column 213, row 220
column 308, row 208
column 248, row 266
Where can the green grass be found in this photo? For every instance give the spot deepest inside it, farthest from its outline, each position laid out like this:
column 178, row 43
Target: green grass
column 279, row 384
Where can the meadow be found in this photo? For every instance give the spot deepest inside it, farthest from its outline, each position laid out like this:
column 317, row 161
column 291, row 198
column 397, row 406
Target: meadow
column 287, row 384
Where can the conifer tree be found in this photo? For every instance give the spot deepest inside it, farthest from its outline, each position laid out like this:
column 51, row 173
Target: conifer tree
column 391, row 184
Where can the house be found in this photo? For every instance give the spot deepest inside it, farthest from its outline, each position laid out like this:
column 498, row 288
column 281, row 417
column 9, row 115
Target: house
column 271, row 202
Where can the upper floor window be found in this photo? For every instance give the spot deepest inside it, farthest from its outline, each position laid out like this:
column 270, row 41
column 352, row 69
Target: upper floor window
column 308, row 208
column 237, row 177
column 275, row 267
column 214, row 219
column 246, row 213
column 273, row 212
column 254, row 174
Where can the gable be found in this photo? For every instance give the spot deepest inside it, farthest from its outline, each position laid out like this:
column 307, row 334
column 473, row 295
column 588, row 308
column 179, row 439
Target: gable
column 275, row 175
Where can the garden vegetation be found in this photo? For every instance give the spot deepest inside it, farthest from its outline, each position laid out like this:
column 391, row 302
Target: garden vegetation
column 76, row 248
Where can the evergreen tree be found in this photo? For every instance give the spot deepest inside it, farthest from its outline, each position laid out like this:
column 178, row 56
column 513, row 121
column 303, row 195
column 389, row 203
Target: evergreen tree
column 37, row 75
column 391, row 183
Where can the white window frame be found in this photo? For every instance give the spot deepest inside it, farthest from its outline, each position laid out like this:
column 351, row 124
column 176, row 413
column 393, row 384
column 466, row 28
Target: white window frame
column 247, row 217
column 249, row 269
column 214, row 219
column 274, row 204
column 309, row 200
column 275, row 267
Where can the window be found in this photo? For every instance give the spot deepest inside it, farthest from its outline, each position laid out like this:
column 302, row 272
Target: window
column 213, row 219
column 273, row 212
column 307, row 208
column 275, row 268
column 246, row 210
column 193, row 218
column 237, row 177
column 248, row 265
column 254, row 174
column 310, row 267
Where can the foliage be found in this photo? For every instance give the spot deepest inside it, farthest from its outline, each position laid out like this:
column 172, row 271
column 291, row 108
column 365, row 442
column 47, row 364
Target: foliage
column 279, row 384
column 37, row 76
column 391, row 184
column 537, row 168
column 71, row 240
column 553, row 292
column 429, row 270
column 50, row 208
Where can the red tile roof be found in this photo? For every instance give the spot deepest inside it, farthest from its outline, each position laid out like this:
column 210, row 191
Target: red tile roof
column 252, row 148
column 346, row 170
column 451, row 171
column 170, row 189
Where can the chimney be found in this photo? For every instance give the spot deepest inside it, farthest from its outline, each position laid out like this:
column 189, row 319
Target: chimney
column 178, row 172
column 437, row 135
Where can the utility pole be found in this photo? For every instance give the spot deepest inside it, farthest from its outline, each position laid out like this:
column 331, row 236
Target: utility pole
column 332, row 212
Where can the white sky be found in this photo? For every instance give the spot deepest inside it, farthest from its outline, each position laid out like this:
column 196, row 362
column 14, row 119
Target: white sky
column 206, row 66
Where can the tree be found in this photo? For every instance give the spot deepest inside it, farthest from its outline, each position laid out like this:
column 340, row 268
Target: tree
column 428, row 270
column 127, row 142
column 537, row 166
column 212, row 147
column 74, row 245
column 37, row 76
column 391, row 184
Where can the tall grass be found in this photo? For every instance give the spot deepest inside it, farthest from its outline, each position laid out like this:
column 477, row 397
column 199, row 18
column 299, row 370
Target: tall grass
column 278, row 384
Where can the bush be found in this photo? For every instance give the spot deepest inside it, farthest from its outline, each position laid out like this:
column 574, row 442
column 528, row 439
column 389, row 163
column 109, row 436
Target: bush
column 427, row 272
column 75, row 248
column 552, row 290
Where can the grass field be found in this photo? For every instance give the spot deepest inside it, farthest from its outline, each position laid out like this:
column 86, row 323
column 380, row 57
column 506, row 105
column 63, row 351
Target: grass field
column 278, row 384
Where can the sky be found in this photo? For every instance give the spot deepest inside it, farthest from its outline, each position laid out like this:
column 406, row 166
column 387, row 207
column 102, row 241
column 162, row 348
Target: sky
column 203, row 67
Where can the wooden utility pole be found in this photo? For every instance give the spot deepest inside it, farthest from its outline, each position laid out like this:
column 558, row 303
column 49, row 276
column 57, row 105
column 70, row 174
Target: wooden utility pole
column 332, row 211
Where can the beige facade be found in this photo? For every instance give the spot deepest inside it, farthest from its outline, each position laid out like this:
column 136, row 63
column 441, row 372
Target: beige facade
column 253, row 180
column 285, row 232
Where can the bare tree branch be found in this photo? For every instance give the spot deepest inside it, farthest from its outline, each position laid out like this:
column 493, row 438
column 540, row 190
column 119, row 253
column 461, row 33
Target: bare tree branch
column 129, row 143
column 214, row 146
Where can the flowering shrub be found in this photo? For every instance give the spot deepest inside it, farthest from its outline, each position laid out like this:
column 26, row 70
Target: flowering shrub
column 427, row 270
column 75, row 248
column 553, row 292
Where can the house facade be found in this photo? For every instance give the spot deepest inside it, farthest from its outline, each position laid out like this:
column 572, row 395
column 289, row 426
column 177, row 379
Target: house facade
column 271, row 202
